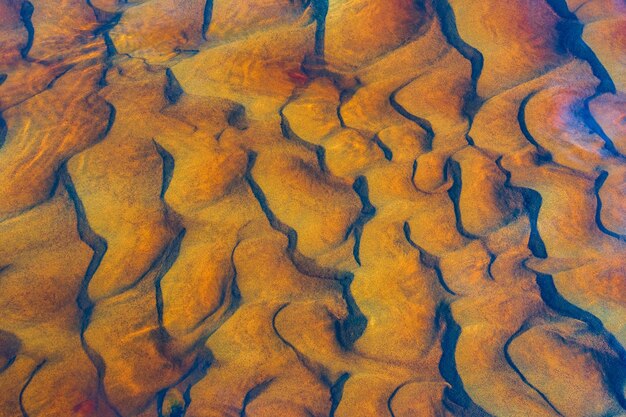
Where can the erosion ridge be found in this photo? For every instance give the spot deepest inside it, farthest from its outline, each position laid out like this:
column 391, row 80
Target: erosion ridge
column 312, row 208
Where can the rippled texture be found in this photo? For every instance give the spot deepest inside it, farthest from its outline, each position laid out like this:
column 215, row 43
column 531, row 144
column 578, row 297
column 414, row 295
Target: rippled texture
column 307, row 208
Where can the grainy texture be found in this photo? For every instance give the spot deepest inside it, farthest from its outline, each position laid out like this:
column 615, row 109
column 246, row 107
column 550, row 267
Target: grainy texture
column 344, row 208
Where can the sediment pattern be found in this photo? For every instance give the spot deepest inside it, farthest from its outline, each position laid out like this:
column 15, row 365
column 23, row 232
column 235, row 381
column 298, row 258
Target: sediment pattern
column 342, row 208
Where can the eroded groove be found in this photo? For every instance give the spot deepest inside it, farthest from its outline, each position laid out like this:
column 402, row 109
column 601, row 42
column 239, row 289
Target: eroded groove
column 454, row 192
column 302, row 263
column 26, row 15
column 168, row 167
column 455, row 393
column 299, row 355
column 367, row 213
column 4, row 130
column 336, row 393
column 471, row 100
column 207, row 16
column 422, row 123
column 26, row 384
column 254, row 393
column 532, row 204
column 320, row 10
column 554, row 300
column 10, row 346
column 427, row 259
column 599, row 182
column 290, row 135
column 168, row 257
column 387, row 152
column 543, row 155
column 570, row 37
column 519, row 373
column 593, row 125
column 99, row 247
column 349, row 330
column 173, row 90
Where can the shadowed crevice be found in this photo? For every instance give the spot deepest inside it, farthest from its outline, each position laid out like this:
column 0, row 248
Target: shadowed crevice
column 207, row 16
column 303, row 264
column 427, row 259
column 26, row 384
column 455, row 396
column 99, row 247
column 570, row 31
column 422, row 123
column 387, row 152
column 10, row 346
column 320, row 11
column 471, row 100
column 26, row 15
column 336, row 393
column 173, row 90
column 367, row 213
column 616, row 375
column 599, row 182
column 519, row 373
column 168, row 167
column 254, row 393
column 532, row 205
column 4, row 130
column 352, row 327
column 164, row 264
column 543, row 155
column 454, row 192
column 290, row 135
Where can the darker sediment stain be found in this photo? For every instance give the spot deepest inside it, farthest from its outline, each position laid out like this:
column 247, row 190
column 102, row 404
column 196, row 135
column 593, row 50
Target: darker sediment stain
column 367, row 213
column 454, row 192
column 599, row 182
column 471, row 100
column 455, row 396
column 519, row 373
column 26, row 384
column 26, row 15
column 336, row 393
column 427, row 259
